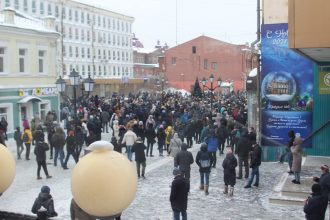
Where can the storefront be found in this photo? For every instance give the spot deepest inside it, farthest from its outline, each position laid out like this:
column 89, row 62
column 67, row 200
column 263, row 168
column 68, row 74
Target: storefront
column 19, row 104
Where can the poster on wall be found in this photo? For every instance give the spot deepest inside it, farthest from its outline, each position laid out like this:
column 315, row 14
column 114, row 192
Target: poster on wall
column 324, row 83
column 286, row 89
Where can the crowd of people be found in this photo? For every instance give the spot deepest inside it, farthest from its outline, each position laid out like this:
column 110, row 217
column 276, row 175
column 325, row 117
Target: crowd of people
column 140, row 122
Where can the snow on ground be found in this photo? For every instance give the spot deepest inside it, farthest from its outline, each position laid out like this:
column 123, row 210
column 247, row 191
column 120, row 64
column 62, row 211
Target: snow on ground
column 152, row 199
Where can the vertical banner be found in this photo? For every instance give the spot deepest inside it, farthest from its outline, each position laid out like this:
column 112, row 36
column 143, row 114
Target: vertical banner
column 286, row 88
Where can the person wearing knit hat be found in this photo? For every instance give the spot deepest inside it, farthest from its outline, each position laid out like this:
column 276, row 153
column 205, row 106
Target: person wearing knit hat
column 43, row 206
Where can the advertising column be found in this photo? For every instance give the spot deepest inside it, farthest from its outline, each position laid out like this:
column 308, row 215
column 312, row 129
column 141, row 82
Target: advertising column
column 286, row 88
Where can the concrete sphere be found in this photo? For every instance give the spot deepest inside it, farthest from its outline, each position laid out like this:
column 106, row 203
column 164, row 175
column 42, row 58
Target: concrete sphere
column 103, row 182
column 7, row 168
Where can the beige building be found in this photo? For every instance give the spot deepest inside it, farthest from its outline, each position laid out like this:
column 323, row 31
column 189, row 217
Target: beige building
column 27, row 67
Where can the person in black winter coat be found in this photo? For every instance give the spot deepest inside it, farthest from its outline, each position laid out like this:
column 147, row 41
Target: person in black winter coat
column 19, row 142
column 229, row 173
column 179, row 195
column 43, row 206
column 140, row 157
column 183, row 160
column 204, row 161
column 316, row 205
column 91, row 138
column 161, row 139
column 255, row 156
column 222, row 134
column 288, row 153
column 324, row 180
column 70, row 148
column 50, row 133
column 80, row 139
column 116, row 146
column 243, row 149
column 150, row 135
column 40, row 152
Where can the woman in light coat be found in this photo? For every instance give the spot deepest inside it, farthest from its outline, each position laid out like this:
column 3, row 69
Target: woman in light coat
column 175, row 145
column 297, row 159
column 116, row 129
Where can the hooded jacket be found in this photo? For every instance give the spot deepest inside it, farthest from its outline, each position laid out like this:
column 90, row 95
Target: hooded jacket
column 183, row 159
column 44, row 200
column 202, row 158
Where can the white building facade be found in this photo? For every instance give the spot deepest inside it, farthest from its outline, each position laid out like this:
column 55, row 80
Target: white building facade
column 95, row 41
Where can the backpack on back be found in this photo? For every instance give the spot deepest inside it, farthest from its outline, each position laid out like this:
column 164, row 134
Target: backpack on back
column 25, row 137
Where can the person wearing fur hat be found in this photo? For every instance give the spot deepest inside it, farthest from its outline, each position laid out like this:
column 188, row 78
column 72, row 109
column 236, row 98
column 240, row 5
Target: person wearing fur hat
column 43, row 206
column 140, row 157
column 204, row 161
column 229, row 173
column 324, row 180
column 40, row 152
column 179, row 195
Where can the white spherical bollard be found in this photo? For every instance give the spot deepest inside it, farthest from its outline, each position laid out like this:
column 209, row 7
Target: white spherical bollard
column 7, row 168
column 103, row 182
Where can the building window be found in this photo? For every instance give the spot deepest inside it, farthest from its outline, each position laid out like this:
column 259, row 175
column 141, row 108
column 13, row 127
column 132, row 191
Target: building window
column 43, row 111
column 76, row 34
column 104, row 55
column 126, row 27
column 99, row 54
column 100, row 71
column 89, row 69
column 76, row 16
column 56, row 11
column 114, row 55
column 113, row 40
column 77, row 52
column 70, row 33
column 4, row 113
column 99, row 21
column 113, row 24
column 2, row 59
column 70, row 51
column 118, row 55
column 41, row 61
column 16, row 4
column 109, row 23
column 104, row 25
column 7, row 3
column 109, row 39
column 173, row 61
column 114, row 71
column 82, row 17
column 25, row 5
column 104, row 38
column 214, row 65
column 118, row 25
column 105, row 70
column 49, row 9
column 194, row 49
column 88, row 36
column 64, row 51
column 42, row 8
column 34, row 8
column 88, row 53
column 82, row 52
column 22, row 60
column 118, row 40
column 109, row 54
column 205, row 63
column 82, row 35
column 70, row 14
column 63, row 13
column 64, row 69
column 83, row 70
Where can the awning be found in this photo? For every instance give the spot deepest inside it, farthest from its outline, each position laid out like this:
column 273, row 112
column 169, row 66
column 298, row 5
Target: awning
column 29, row 98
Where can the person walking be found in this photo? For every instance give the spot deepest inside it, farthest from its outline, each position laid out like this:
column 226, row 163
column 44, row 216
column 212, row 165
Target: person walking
column 40, row 152
column 255, row 158
column 4, row 127
column 71, row 146
column 212, row 146
column 296, row 159
column 229, row 173
column 179, row 195
column 19, row 142
column 183, row 160
column 140, row 157
column 175, row 145
column 150, row 135
column 105, row 117
column 161, row 136
column 58, row 141
column 129, row 139
column 243, row 149
column 43, row 206
column 204, row 162
column 27, row 139
column 80, row 139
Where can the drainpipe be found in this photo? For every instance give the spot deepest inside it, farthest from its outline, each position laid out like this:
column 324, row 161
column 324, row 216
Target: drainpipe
column 256, row 52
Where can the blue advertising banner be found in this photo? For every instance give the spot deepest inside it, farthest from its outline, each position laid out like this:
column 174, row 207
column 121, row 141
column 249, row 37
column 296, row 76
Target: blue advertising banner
column 286, row 88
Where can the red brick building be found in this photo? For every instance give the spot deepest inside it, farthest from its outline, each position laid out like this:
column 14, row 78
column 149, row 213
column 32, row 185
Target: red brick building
column 202, row 57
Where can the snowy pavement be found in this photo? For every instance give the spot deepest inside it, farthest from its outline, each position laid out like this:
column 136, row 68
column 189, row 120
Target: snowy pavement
column 152, row 199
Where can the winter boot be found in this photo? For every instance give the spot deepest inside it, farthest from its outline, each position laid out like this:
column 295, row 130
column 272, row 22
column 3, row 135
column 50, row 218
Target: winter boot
column 206, row 189
column 231, row 191
column 225, row 191
column 201, row 187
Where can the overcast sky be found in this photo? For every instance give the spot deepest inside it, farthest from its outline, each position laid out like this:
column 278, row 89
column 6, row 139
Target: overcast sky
column 233, row 21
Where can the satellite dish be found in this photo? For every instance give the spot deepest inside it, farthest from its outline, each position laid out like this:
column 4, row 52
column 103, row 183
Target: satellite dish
column 253, row 72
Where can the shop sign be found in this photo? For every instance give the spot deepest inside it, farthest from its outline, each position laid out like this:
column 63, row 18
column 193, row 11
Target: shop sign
column 324, row 83
column 38, row 92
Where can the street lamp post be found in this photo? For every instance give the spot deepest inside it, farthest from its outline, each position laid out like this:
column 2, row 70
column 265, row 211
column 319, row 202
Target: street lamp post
column 74, row 77
column 212, row 88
